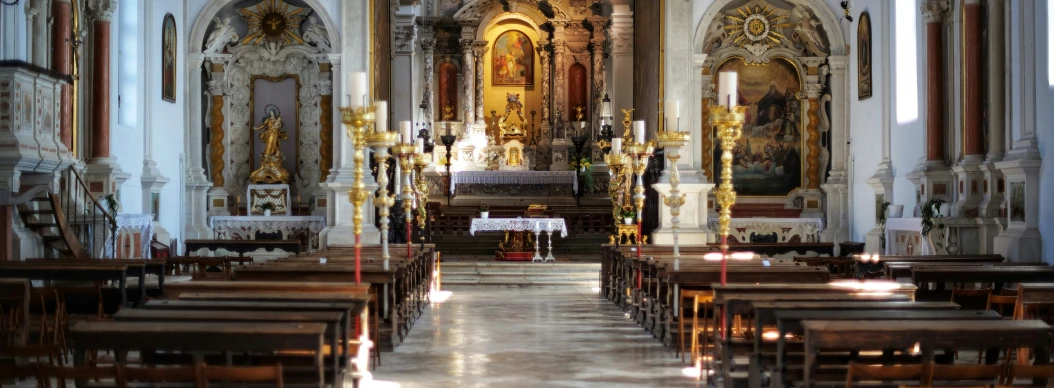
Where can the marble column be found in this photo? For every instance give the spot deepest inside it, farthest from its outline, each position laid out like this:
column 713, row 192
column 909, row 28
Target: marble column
column 882, row 180
column 932, row 177
column 560, row 80
column 103, row 174
column 61, row 62
column 996, row 77
column 428, row 46
column 968, row 171
column 468, row 70
column 620, row 34
column 543, row 61
column 479, row 48
column 403, row 103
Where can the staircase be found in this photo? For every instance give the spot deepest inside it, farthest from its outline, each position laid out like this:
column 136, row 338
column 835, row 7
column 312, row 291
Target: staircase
column 71, row 223
column 485, row 273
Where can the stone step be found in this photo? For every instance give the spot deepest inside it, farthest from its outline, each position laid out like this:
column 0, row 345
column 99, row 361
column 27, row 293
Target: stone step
column 511, row 271
column 488, row 273
column 502, row 277
column 519, row 282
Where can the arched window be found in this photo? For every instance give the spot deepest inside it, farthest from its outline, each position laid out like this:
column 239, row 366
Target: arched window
column 127, row 63
column 907, row 76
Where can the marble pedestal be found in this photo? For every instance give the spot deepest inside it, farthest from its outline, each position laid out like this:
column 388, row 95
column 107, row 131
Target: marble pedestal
column 692, row 229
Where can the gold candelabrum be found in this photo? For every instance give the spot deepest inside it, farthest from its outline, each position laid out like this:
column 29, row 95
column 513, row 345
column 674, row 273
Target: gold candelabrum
column 640, row 153
column 421, row 189
column 728, row 124
column 406, row 164
column 617, row 168
column 381, row 141
column 359, row 122
column 672, row 141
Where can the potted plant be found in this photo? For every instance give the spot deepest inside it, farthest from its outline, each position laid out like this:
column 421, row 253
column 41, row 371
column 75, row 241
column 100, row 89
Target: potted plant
column 585, row 173
column 931, row 214
column 267, row 207
column 628, row 215
column 885, row 213
column 484, row 212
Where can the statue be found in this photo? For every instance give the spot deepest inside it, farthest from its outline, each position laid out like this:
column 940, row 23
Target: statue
column 806, row 32
column 448, row 113
column 271, row 134
column 316, row 34
column 222, row 33
column 512, row 131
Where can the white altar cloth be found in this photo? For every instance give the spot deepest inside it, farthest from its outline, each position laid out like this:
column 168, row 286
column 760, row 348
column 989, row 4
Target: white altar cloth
column 807, row 229
column 546, row 225
column 132, row 223
column 906, row 228
column 245, row 227
column 515, row 178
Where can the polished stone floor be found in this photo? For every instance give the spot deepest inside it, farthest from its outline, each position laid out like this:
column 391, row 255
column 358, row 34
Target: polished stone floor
column 530, row 337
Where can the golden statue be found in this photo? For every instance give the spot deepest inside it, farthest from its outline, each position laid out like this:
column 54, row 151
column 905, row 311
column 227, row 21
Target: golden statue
column 448, row 113
column 512, row 131
column 578, row 112
column 271, row 134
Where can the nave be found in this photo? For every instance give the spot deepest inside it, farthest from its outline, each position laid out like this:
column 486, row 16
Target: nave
column 529, row 337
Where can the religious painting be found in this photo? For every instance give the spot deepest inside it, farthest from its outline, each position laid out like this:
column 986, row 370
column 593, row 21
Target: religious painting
column 768, row 156
column 513, row 62
column 1017, row 201
column 863, row 56
column 168, row 59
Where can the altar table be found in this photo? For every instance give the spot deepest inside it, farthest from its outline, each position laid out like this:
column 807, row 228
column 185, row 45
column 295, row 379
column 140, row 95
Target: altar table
column 515, row 178
column 785, row 229
column 303, row 228
column 536, row 225
column 904, row 237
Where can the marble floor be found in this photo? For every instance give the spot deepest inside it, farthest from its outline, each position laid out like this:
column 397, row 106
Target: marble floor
column 530, row 337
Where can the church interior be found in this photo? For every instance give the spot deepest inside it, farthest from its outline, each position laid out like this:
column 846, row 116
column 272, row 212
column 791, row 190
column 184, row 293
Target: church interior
column 579, row 193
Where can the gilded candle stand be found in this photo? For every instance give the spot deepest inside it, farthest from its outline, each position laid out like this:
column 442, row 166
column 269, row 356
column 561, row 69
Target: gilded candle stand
column 359, row 122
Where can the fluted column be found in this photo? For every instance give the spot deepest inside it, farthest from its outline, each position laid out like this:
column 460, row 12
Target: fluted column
column 480, row 49
column 934, row 12
column 102, row 13
column 468, row 70
column 61, row 51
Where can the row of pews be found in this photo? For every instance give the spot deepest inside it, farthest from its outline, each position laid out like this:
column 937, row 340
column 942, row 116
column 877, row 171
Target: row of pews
column 304, row 313
column 808, row 322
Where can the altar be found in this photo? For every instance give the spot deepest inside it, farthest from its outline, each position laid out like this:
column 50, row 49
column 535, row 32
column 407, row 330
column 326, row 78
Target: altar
column 531, row 225
column 302, row 228
column 521, row 187
column 904, row 237
column 773, row 230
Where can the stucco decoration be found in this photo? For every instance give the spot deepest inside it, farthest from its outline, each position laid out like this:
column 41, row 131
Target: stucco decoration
column 760, row 26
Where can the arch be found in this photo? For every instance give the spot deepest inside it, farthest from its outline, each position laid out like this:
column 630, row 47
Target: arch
column 819, row 9
column 497, row 16
column 204, row 19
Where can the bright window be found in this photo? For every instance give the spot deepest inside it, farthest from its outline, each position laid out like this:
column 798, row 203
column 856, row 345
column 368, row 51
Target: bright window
column 907, row 76
column 1050, row 45
column 128, row 62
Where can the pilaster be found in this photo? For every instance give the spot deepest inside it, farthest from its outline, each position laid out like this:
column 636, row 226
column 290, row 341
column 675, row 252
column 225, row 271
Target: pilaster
column 103, row 175
column 932, row 177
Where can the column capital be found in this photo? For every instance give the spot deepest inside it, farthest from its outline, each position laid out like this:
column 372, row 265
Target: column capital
column 428, row 45
column 480, row 47
column 621, row 38
column 404, row 35
column 102, row 10
column 934, row 11
column 466, row 45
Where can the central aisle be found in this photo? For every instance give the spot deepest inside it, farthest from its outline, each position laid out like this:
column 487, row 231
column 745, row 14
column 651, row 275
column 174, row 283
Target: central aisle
column 530, row 337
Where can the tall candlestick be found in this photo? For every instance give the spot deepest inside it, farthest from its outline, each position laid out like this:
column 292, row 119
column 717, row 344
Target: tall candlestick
column 382, row 116
column 420, row 146
column 673, row 110
column 616, row 145
column 406, row 128
column 360, row 89
column 638, row 131
column 727, row 88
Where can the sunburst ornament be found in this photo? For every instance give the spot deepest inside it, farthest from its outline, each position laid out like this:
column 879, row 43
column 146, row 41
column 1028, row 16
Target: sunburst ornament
column 273, row 21
column 757, row 24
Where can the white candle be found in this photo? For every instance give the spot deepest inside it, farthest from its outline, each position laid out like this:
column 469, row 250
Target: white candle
column 616, row 145
column 727, row 88
column 607, row 109
column 673, row 110
column 360, row 88
column 420, row 146
column 638, row 131
column 406, row 128
column 382, row 116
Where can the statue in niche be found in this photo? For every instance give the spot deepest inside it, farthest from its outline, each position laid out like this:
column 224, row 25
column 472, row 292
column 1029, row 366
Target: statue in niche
column 222, row 33
column 315, row 34
column 512, row 131
column 271, row 134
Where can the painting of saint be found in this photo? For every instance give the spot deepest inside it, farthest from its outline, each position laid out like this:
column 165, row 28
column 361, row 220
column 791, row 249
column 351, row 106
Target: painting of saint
column 863, row 56
column 513, row 60
column 168, row 58
column 768, row 156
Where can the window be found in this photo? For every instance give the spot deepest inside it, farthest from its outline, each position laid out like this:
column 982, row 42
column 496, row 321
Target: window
column 1050, row 45
column 127, row 63
column 907, row 76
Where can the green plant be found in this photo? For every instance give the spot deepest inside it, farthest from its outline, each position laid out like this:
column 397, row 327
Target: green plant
column 882, row 222
column 585, row 172
column 627, row 212
column 112, row 204
column 267, row 206
column 484, row 208
column 931, row 211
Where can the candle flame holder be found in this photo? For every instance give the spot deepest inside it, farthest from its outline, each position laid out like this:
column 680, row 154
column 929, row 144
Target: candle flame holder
column 672, row 141
column 406, row 161
column 359, row 122
column 728, row 124
column 381, row 142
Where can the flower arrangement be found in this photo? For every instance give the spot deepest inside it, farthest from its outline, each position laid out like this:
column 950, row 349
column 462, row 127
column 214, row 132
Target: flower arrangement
column 628, row 212
column 585, row 171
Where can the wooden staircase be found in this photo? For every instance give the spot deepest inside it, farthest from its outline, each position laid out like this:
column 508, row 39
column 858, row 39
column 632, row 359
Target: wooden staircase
column 66, row 237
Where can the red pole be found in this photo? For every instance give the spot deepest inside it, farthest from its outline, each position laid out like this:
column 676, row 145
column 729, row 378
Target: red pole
column 409, row 241
column 640, row 239
column 724, row 260
column 358, row 258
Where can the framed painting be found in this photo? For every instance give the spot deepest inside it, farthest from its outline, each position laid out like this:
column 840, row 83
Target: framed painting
column 513, row 60
column 168, row 58
column 863, row 56
column 767, row 159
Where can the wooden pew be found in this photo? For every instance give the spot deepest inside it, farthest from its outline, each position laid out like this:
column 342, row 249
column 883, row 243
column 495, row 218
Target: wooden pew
column 998, row 276
column 136, row 267
column 788, row 321
column 332, row 319
column 56, row 271
column 175, row 289
column 930, row 335
column 775, row 249
column 195, row 337
column 1030, row 293
column 885, row 261
column 15, row 294
column 903, row 269
column 243, row 246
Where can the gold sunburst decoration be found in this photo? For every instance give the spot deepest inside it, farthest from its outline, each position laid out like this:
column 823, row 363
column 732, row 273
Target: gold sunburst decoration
column 757, row 24
column 273, row 20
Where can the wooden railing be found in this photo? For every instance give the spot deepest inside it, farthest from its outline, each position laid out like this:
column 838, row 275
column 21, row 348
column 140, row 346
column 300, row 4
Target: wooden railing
column 84, row 222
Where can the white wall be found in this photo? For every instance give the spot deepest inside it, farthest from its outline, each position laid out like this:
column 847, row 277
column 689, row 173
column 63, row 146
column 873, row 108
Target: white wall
column 1045, row 126
column 907, row 136
column 126, row 139
column 866, row 121
column 13, row 32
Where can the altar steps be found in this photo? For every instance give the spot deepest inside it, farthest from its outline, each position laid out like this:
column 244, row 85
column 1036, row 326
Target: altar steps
column 520, row 274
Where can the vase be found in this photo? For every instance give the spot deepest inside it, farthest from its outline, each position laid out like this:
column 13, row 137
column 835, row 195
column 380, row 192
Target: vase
column 267, row 212
column 484, row 215
column 628, row 220
column 895, row 211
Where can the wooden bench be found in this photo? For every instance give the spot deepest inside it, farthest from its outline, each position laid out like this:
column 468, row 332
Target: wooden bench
column 197, row 338
column 136, row 267
column 14, row 293
column 929, row 335
column 332, row 319
column 243, row 246
column 903, row 269
column 56, row 271
column 775, row 249
column 998, row 276
column 175, row 289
